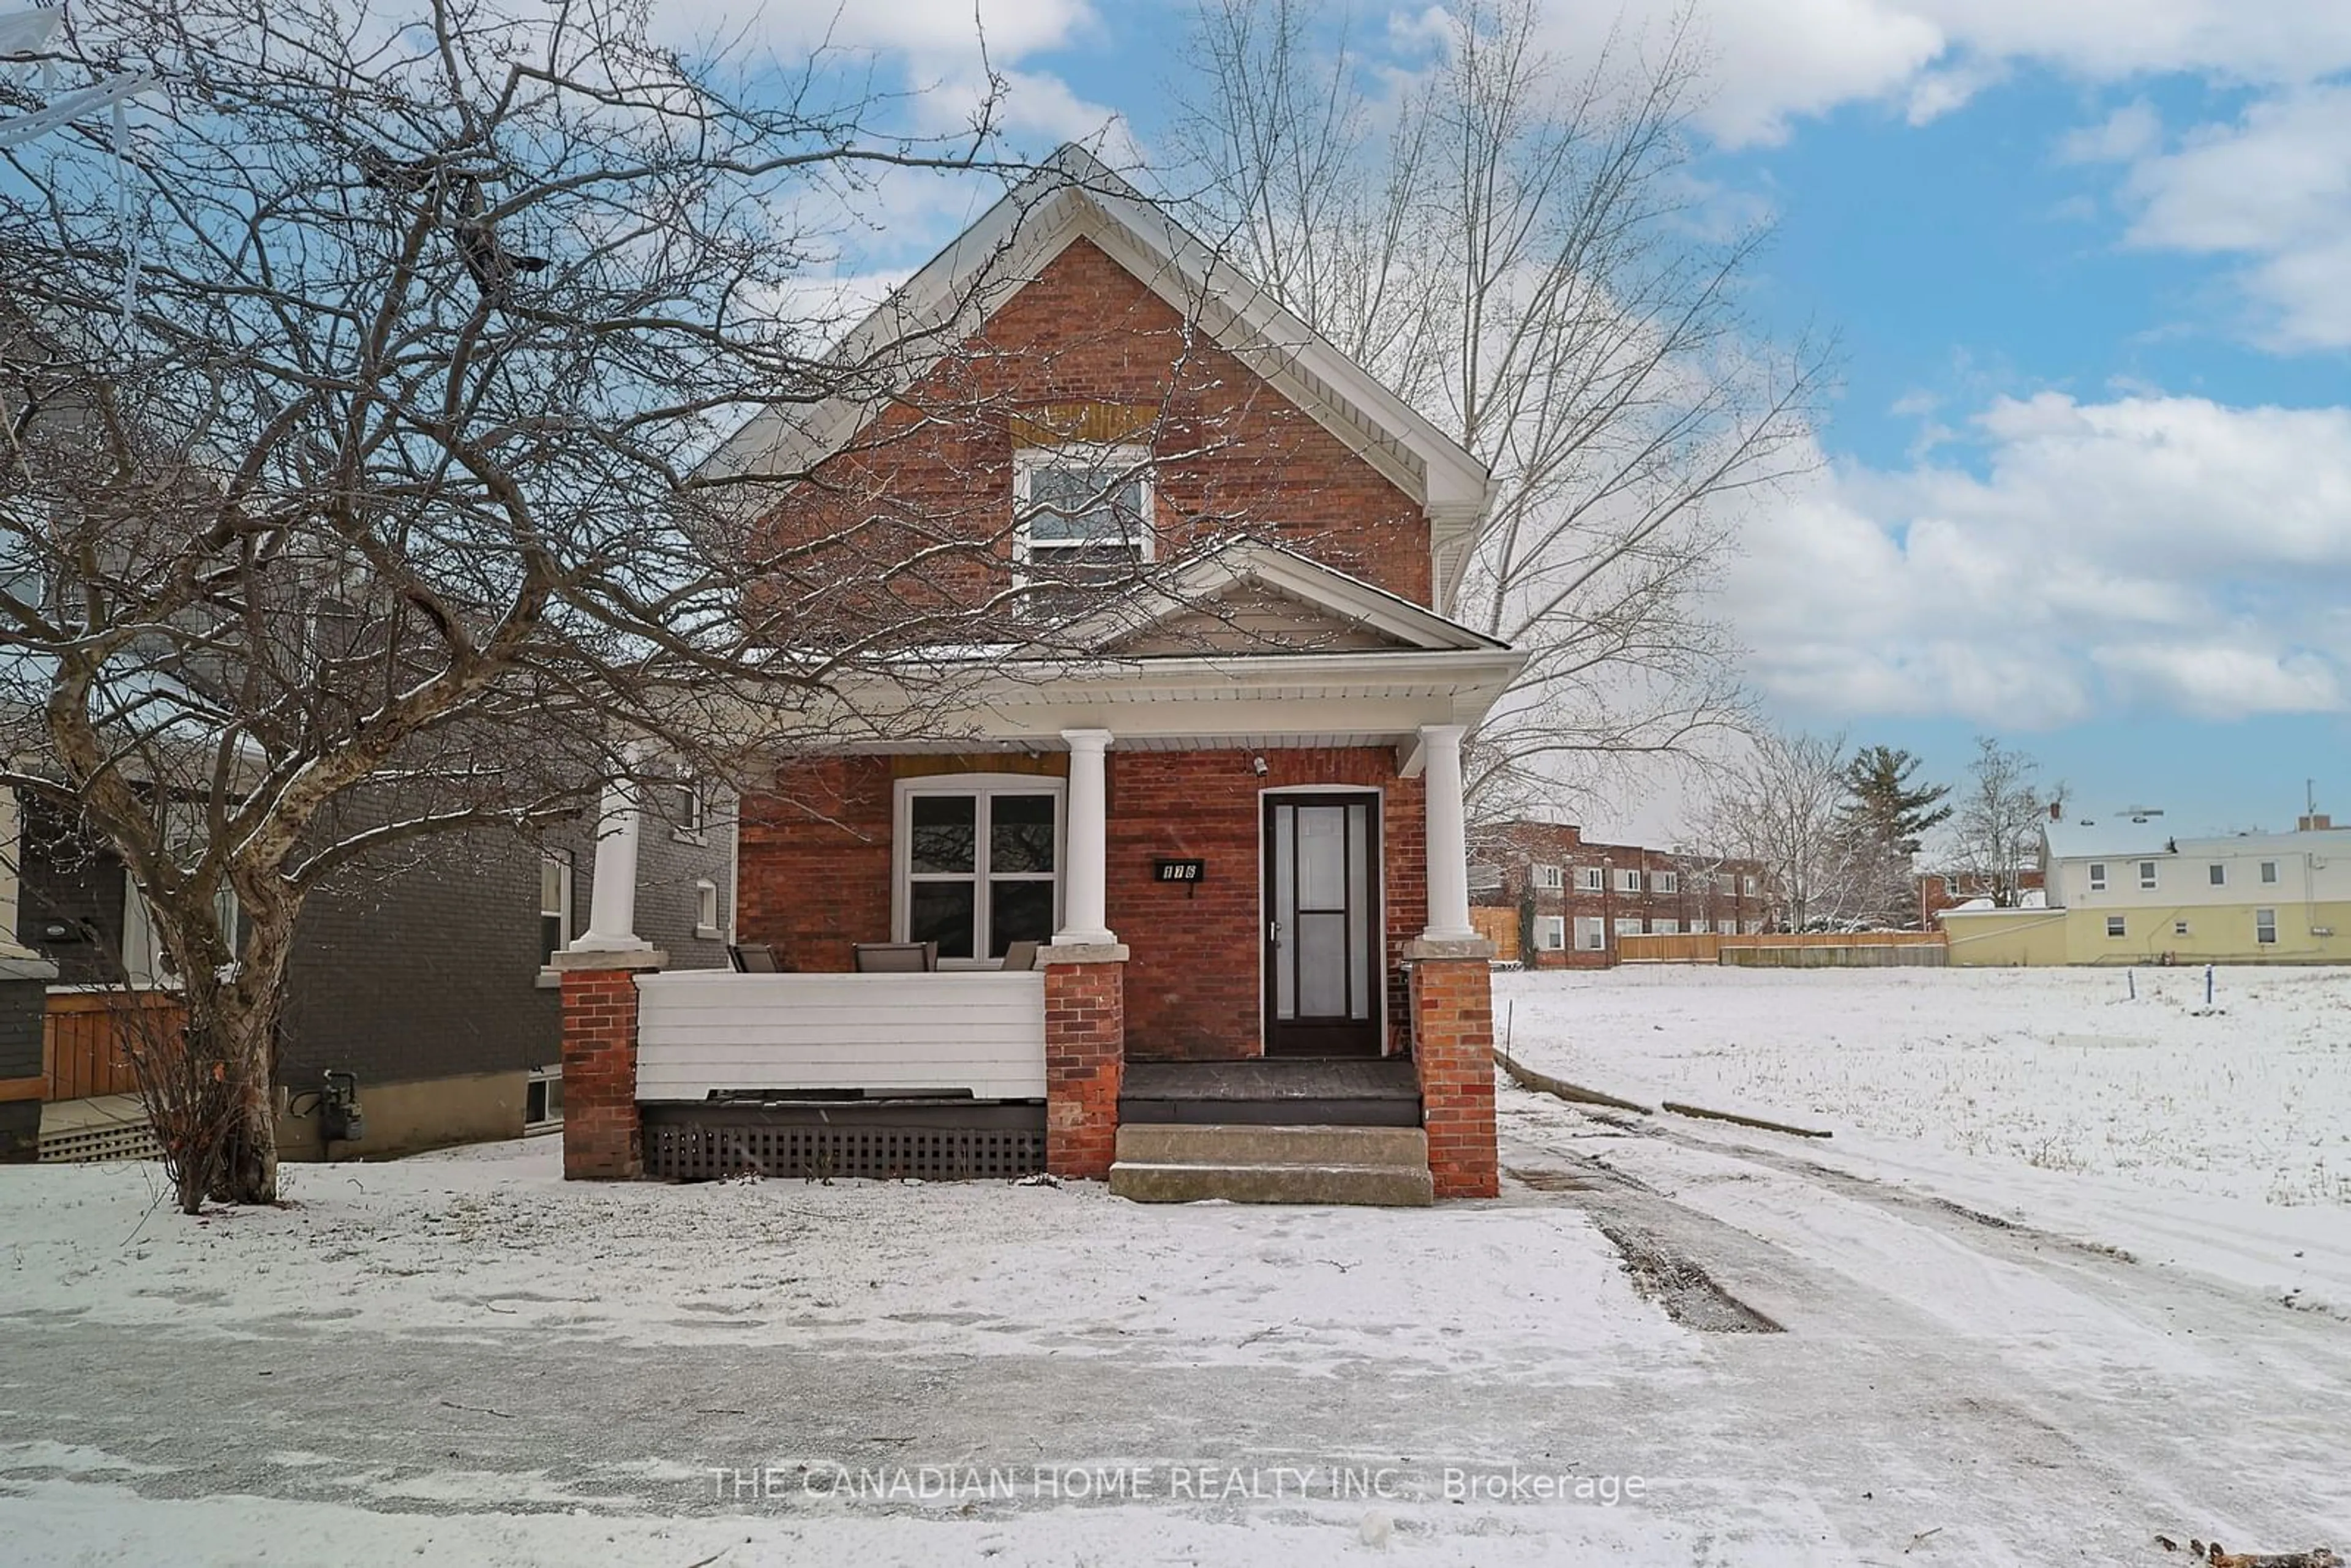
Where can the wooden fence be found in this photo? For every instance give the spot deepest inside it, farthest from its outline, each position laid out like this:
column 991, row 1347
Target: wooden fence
column 83, row 1035
column 1794, row 949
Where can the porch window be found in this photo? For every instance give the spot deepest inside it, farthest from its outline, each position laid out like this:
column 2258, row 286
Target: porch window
column 978, row 863
column 1082, row 514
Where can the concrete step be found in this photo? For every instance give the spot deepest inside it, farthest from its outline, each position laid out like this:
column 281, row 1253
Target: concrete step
column 1380, row 1186
column 1231, row 1143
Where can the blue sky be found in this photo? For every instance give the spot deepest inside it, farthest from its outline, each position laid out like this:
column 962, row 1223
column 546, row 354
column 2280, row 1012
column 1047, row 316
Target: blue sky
column 2086, row 483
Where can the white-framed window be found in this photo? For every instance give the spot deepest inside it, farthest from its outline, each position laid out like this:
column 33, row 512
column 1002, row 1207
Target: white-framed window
column 2113, row 925
column 1547, row 878
column 1755, row 928
column 1591, row 934
column 2265, row 928
column 1950, row 887
column 2219, row 873
column 1628, row 880
column 706, row 908
column 1627, row 926
column 1551, row 932
column 1666, row 927
column 2179, row 928
column 542, row 1098
column 2269, row 874
column 1726, row 928
column 1747, row 887
column 1082, row 512
column 1587, row 879
column 2146, row 876
column 2098, row 876
column 977, row 863
column 1664, row 882
column 691, row 807
column 146, row 963
column 555, row 930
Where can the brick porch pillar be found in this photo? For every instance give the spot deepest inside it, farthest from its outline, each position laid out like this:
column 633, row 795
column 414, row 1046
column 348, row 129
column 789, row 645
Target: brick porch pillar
column 1453, row 1051
column 602, row 1139
column 1085, row 1055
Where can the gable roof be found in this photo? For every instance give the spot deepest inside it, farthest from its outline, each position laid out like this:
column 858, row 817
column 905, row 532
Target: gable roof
column 1072, row 196
column 1326, row 595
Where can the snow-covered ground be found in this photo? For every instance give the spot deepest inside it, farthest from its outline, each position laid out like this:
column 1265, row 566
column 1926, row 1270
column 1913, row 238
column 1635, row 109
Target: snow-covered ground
column 2061, row 1070
column 1991, row 1355
column 2218, row 1138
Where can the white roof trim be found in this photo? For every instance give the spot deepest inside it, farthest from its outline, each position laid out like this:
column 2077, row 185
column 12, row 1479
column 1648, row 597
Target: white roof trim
column 1073, row 196
column 1197, row 583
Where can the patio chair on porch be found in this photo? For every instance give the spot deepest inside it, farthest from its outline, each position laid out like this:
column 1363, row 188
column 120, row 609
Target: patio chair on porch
column 753, row 958
column 1021, row 956
column 896, row 957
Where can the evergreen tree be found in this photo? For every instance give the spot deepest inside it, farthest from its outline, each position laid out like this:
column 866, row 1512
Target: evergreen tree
column 1891, row 810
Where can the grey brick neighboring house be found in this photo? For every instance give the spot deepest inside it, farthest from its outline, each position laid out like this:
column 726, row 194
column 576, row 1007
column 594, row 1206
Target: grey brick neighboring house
column 422, row 972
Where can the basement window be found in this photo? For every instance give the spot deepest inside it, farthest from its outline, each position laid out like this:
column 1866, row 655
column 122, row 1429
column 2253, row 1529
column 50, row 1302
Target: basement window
column 542, row 1099
column 2265, row 928
column 2113, row 925
column 2179, row 928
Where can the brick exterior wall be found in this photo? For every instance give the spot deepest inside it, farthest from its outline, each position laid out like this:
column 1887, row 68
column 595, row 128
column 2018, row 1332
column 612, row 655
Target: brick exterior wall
column 1453, row 1050
column 816, row 869
column 1085, row 1034
column 1939, row 890
column 1508, row 853
column 603, row 1138
column 1233, row 454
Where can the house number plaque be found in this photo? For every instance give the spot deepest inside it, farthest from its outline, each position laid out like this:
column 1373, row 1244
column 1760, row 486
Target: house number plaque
column 1187, row 871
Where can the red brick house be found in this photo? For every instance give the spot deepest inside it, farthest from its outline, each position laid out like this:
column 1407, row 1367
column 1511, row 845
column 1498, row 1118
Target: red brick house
column 1569, row 899
column 1942, row 890
column 1226, row 801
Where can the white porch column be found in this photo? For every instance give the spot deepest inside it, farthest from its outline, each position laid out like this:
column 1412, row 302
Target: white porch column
column 1085, row 880
column 612, row 900
column 1449, row 842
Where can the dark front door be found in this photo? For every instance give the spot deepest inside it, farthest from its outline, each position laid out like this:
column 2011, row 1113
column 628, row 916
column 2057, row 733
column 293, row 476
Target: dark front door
column 1323, row 924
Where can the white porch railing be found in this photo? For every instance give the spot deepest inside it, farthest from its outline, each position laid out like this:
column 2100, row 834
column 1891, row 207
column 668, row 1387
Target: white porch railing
column 979, row 1030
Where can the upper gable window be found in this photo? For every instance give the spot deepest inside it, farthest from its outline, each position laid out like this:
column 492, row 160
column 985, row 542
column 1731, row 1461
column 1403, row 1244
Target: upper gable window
column 1081, row 513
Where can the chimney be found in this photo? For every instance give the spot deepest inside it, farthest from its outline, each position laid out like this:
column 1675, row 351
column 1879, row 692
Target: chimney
column 2056, row 810
column 2316, row 822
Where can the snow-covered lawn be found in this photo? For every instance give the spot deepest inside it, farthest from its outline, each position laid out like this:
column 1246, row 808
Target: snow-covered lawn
column 2059, row 1069
column 491, row 1239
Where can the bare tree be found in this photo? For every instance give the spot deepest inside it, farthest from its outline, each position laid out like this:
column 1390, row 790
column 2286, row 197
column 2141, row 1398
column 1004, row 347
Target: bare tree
column 1508, row 240
column 1997, row 818
column 1783, row 801
column 349, row 412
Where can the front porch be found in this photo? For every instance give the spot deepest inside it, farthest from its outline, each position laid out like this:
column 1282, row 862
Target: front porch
column 1225, row 860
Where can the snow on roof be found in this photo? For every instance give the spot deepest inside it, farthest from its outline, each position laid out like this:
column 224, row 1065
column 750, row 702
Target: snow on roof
column 2124, row 839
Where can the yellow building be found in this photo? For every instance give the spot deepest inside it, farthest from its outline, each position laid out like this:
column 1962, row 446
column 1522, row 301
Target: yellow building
column 2128, row 893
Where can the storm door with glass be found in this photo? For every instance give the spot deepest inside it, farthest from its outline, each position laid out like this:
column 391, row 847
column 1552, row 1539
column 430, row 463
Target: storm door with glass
column 1323, row 924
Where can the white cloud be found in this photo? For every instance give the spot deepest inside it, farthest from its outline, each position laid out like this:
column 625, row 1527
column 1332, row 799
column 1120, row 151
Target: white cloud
column 1779, row 59
column 2273, row 188
column 923, row 29
column 2151, row 552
